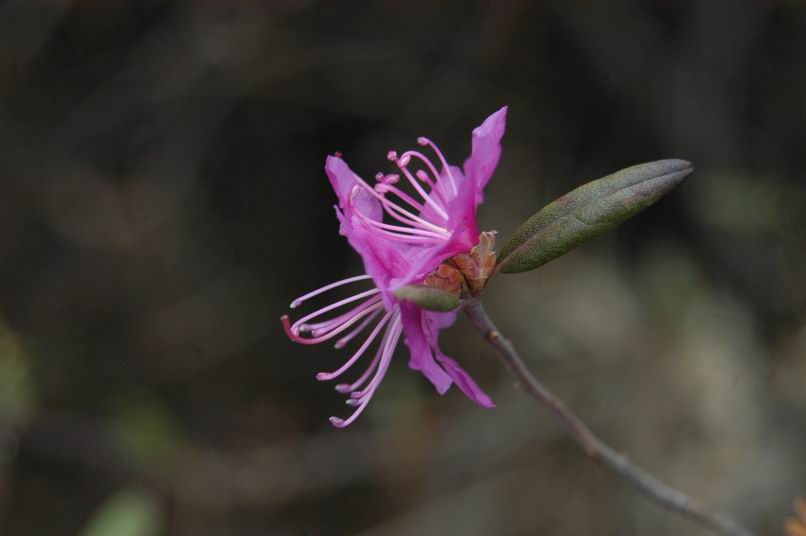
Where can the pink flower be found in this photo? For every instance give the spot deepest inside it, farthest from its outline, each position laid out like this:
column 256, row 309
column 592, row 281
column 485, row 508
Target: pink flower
column 401, row 238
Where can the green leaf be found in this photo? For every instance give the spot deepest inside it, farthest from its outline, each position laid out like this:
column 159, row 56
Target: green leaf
column 430, row 298
column 130, row 512
column 588, row 211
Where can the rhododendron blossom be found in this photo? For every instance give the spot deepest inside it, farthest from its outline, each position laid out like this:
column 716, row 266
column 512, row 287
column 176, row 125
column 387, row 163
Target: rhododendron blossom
column 402, row 237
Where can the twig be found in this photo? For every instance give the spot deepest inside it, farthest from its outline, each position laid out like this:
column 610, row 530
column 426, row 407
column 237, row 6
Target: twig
column 662, row 494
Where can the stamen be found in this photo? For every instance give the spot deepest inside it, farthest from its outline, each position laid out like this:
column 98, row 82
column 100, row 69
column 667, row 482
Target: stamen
column 415, row 221
column 332, row 306
column 413, row 235
column 425, row 142
column 395, row 327
column 398, row 228
column 345, row 388
column 387, row 179
column 296, row 303
column 389, row 205
column 427, row 198
column 368, row 391
column 341, row 343
column 289, row 330
column 409, row 239
column 321, row 328
column 384, row 188
column 318, row 326
column 371, row 307
column 326, row 376
column 423, row 176
column 402, row 162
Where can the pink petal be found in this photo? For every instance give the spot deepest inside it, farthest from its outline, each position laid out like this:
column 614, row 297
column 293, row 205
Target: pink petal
column 422, row 358
column 439, row 321
column 344, row 180
column 421, row 331
column 464, row 382
column 383, row 259
column 462, row 224
column 486, row 150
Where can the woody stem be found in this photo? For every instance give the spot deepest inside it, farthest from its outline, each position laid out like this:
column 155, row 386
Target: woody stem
column 662, row 494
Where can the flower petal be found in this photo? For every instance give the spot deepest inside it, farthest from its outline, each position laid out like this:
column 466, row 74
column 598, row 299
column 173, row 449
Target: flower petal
column 440, row 321
column 422, row 357
column 464, row 382
column 383, row 259
column 462, row 224
column 486, row 150
column 344, row 180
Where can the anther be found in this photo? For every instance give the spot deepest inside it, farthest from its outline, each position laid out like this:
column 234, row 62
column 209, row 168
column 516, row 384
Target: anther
column 337, row 422
column 422, row 141
column 404, row 161
column 391, row 155
column 384, row 181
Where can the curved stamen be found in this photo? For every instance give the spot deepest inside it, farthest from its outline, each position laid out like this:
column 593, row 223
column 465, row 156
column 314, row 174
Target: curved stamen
column 413, row 235
column 407, row 238
column 362, row 311
column 345, row 388
column 332, row 306
column 383, row 366
column 426, row 142
column 410, row 219
column 385, row 188
column 398, row 228
column 419, row 222
column 296, row 303
column 326, row 376
column 330, row 334
column 423, row 176
column 319, row 326
column 341, row 343
column 416, row 184
column 387, row 179
column 387, row 204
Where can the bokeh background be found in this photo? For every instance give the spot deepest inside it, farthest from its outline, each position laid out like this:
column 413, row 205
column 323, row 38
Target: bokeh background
column 162, row 200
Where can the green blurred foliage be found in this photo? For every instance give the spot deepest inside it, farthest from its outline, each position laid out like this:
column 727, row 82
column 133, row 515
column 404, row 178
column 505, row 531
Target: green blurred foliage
column 147, row 430
column 17, row 389
column 129, row 512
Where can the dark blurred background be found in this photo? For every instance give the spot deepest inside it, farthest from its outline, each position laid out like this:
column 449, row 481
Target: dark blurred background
column 162, row 200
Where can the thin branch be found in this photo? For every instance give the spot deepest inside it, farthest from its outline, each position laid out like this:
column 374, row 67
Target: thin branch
column 662, row 494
